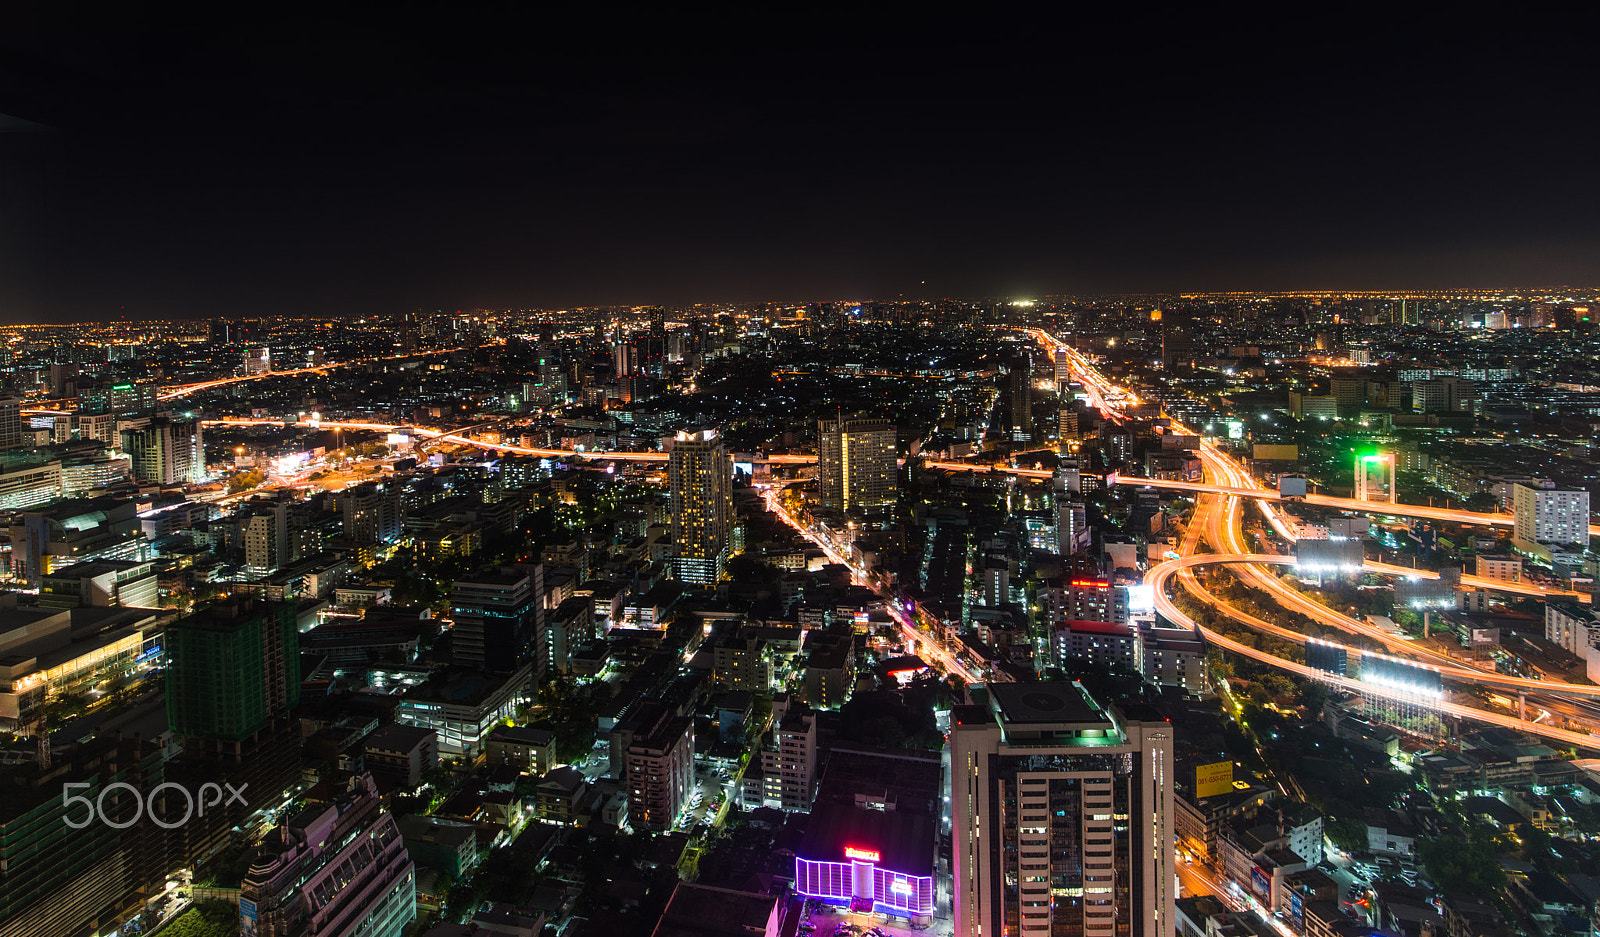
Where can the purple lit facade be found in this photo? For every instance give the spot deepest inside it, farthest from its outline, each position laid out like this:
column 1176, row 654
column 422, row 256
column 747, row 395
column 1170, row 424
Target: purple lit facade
column 895, row 893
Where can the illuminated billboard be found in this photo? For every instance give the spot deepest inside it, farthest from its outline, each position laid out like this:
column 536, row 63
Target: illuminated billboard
column 1214, row 779
column 1395, row 674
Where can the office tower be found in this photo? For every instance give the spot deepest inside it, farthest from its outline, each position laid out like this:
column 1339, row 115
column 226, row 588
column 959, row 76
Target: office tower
column 167, row 451
column 1072, row 527
column 258, row 360
column 1550, row 515
column 127, row 397
column 373, row 513
column 57, row 878
column 232, row 669
column 624, row 358
column 499, row 619
column 1020, row 395
column 265, row 527
column 10, row 422
column 660, row 764
column 702, row 506
column 1061, row 815
column 658, row 323
column 1068, row 428
column 1063, row 372
column 856, row 463
column 335, row 869
column 1177, row 346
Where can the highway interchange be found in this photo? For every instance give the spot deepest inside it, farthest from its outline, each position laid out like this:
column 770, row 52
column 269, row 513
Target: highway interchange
column 1217, row 518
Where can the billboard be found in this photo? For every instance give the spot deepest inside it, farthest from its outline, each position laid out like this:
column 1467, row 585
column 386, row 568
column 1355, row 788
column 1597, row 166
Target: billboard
column 1401, row 675
column 1275, row 452
column 247, row 918
column 1260, row 881
column 1214, row 779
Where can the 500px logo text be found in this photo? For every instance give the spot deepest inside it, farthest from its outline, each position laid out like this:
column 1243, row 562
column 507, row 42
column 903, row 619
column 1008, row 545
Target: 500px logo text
column 209, row 795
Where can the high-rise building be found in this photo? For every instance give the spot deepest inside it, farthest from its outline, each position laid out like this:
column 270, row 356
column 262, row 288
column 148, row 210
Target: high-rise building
column 856, row 463
column 1072, row 527
column 258, row 360
column 266, row 536
column 1177, row 346
column 660, row 765
column 335, row 869
column 789, row 765
column 624, row 357
column 60, row 872
column 702, row 506
column 499, row 618
column 1019, row 389
column 1550, row 515
column 232, row 669
column 10, row 422
column 1061, row 815
column 1069, row 427
column 1444, row 394
column 373, row 513
column 167, row 451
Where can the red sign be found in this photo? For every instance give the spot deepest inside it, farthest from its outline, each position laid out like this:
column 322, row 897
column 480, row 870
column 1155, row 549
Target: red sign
column 865, row 855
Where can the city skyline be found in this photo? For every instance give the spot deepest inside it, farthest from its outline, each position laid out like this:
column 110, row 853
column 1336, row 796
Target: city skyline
column 994, row 472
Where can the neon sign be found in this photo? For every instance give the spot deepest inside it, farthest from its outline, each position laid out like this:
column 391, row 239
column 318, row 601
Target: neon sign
column 865, row 855
column 900, row 886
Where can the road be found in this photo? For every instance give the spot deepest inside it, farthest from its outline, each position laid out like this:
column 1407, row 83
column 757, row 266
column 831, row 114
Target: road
column 1217, row 516
column 1380, row 509
column 926, row 647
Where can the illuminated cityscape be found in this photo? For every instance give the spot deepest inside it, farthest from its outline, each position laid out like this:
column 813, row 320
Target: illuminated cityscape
column 491, row 477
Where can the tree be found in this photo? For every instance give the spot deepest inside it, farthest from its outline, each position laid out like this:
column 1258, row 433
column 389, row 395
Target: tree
column 244, row 481
column 1348, row 834
column 1482, row 501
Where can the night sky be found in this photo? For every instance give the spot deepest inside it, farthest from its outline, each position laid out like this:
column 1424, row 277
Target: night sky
column 308, row 165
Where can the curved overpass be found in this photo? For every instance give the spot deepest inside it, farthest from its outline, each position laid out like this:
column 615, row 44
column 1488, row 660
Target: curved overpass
column 1163, row 571
column 1448, row 666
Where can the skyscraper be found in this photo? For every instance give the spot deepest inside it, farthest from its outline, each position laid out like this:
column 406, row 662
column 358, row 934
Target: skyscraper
column 856, row 463
column 499, row 617
column 1020, row 392
column 166, row 451
column 266, row 536
column 702, row 506
column 10, row 422
column 1061, row 815
column 232, row 669
column 373, row 513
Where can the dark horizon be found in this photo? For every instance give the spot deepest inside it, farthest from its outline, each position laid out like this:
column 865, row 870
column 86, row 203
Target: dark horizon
column 416, row 162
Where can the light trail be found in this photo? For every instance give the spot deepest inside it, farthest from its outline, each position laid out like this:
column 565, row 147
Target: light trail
column 1219, row 516
column 1161, row 572
column 180, row 390
column 948, row 661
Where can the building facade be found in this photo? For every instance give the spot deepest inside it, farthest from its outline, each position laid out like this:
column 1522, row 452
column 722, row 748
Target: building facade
column 1061, row 816
column 702, row 506
column 333, row 870
column 856, row 463
column 1550, row 515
